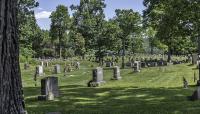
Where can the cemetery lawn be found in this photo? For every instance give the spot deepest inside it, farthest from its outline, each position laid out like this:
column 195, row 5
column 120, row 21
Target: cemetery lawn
column 150, row 92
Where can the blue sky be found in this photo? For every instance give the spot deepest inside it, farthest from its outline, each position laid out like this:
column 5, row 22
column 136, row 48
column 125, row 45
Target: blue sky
column 47, row 6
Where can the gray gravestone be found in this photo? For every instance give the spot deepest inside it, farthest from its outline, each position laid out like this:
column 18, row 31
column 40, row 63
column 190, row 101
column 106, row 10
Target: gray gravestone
column 42, row 63
column 194, row 58
column 108, row 64
column 77, row 64
column 46, row 64
column 49, row 86
column 196, row 94
column 39, row 70
column 116, row 73
column 26, row 66
column 57, row 69
column 143, row 65
column 130, row 64
column 136, row 67
column 97, row 77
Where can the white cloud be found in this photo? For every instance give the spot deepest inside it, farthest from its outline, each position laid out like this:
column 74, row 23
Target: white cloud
column 39, row 8
column 42, row 15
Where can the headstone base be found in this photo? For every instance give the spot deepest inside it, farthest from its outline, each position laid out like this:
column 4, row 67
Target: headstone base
column 198, row 83
column 95, row 84
column 42, row 98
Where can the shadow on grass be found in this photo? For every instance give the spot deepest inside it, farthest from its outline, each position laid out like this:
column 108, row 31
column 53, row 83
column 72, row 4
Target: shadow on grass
column 76, row 99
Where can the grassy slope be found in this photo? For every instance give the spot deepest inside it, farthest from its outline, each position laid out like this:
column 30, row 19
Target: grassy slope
column 150, row 92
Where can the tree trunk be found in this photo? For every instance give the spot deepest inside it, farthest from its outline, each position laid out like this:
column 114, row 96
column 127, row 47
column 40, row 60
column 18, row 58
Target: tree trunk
column 123, row 55
column 11, row 94
column 169, row 54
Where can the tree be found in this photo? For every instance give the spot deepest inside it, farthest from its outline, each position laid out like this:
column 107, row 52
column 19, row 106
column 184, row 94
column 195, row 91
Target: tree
column 129, row 22
column 60, row 25
column 111, row 35
column 174, row 20
column 88, row 21
column 11, row 100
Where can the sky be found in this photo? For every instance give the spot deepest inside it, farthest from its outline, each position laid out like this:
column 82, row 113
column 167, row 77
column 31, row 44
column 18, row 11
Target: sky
column 45, row 8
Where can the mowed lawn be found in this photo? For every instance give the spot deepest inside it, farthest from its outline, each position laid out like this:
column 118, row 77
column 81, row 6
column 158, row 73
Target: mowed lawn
column 153, row 91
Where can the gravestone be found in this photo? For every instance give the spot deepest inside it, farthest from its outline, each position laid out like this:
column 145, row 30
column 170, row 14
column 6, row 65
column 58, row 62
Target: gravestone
column 49, row 86
column 185, row 83
column 42, row 63
column 116, row 73
column 46, row 64
column 143, row 64
column 196, row 94
column 39, row 70
column 160, row 62
column 136, row 67
column 108, row 64
column 26, row 66
column 154, row 64
column 57, row 69
column 97, row 77
column 130, row 64
column 194, row 58
column 77, row 65
column 198, row 61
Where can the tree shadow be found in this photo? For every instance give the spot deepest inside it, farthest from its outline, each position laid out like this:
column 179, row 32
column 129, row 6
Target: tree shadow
column 78, row 99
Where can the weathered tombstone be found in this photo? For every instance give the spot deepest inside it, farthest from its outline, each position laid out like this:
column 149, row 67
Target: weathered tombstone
column 129, row 64
column 185, row 83
column 108, row 64
column 143, row 64
column 42, row 63
column 160, row 62
column 195, row 77
column 136, row 67
column 49, row 87
column 26, row 66
column 46, row 64
column 57, row 69
column 39, row 70
column 194, row 58
column 97, row 77
column 198, row 61
column 196, row 94
column 116, row 73
column 154, row 64
column 77, row 65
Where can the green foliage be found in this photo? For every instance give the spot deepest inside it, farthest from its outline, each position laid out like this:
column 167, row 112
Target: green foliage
column 175, row 21
column 60, row 25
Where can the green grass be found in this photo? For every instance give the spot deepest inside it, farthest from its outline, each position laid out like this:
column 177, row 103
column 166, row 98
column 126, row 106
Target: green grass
column 152, row 91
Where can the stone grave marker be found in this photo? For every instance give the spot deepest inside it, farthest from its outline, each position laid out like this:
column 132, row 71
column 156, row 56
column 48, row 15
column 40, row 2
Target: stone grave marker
column 46, row 64
column 194, row 58
column 196, row 94
column 39, row 70
column 116, row 73
column 49, row 87
column 136, row 67
column 42, row 63
column 77, row 65
column 97, row 77
column 185, row 83
column 108, row 64
column 26, row 66
column 143, row 65
column 129, row 64
column 57, row 69
column 160, row 62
